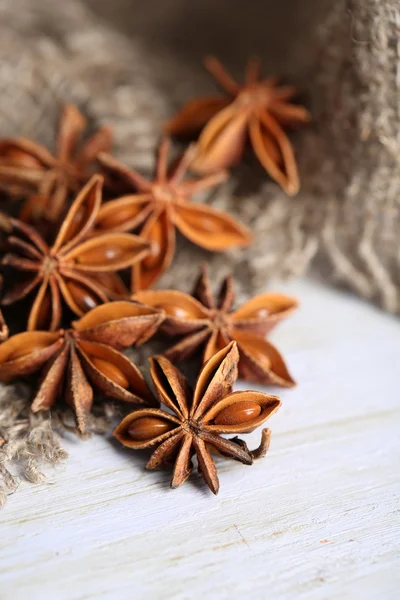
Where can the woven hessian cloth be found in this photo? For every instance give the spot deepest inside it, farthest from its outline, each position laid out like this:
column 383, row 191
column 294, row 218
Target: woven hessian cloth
column 131, row 64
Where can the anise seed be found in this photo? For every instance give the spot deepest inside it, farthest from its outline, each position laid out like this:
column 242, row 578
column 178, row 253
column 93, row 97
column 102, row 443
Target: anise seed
column 22, row 158
column 27, row 348
column 146, row 428
column 172, row 310
column 261, row 313
column 260, row 357
column 44, row 313
column 110, row 371
column 116, row 218
column 100, row 256
column 82, row 296
column 77, row 221
column 240, row 412
column 203, row 223
column 152, row 258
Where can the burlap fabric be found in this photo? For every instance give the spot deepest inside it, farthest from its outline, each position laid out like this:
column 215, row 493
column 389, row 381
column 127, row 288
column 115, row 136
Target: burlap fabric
column 131, row 64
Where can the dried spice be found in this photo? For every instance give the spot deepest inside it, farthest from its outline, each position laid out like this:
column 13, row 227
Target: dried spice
column 257, row 111
column 4, row 331
column 206, row 323
column 30, row 169
column 76, row 361
column 66, row 253
column 80, row 272
column 198, row 419
column 162, row 205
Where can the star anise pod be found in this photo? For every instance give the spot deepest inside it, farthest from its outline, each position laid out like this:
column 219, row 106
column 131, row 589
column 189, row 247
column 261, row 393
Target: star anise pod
column 207, row 323
column 80, row 271
column 29, row 169
column 160, row 207
column 257, row 111
column 76, row 361
column 198, row 419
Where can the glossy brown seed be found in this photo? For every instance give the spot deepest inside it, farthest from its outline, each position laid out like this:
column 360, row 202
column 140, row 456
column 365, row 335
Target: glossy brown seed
column 151, row 260
column 204, row 223
column 101, row 255
column 174, row 311
column 261, row 313
column 85, row 299
column 147, row 428
column 110, row 371
column 27, row 348
column 78, row 219
column 258, row 354
column 118, row 217
column 44, row 313
column 240, row 412
column 22, row 158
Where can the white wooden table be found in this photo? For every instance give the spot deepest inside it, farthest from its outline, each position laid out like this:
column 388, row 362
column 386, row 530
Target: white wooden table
column 318, row 518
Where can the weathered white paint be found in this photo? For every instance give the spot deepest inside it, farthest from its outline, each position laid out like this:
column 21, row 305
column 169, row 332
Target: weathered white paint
column 318, row 518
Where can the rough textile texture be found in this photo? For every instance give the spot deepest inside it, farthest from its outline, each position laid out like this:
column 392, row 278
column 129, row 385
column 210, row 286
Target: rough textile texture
column 25, row 441
column 131, row 64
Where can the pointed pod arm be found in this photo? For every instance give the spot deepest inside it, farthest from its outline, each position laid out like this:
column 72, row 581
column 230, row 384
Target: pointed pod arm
column 25, row 353
column 119, row 324
column 240, row 412
column 145, row 428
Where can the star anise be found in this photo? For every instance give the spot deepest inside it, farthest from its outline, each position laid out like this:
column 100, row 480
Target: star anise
column 30, row 169
column 79, row 271
column 258, row 110
column 73, row 362
column 162, row 205
column 198, row 418
column 206, row 323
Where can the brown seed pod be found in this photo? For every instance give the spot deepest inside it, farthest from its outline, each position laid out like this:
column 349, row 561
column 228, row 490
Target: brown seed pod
column 28, row 169
column 147, row 428
column 236, row 414
column 257, row 111
column 80, row 272
column 157, row 208
column 84, row 358
column 198, row 418
column 210, row 323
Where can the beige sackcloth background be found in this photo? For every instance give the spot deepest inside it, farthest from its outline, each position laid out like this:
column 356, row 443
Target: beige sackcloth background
column 130, row 64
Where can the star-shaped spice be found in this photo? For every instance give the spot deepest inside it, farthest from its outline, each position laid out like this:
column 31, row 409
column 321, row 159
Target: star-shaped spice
column 160, row 207
column 209, row 324
column 198, row 419
column 74, row 269
column 30, row 169
column 74, row 362
column 258, row 110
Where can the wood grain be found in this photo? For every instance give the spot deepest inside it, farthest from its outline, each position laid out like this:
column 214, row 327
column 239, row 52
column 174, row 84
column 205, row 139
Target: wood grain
column 318, row 518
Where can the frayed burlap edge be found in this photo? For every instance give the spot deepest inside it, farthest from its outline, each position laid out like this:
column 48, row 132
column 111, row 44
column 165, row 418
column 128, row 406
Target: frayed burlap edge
column 29, row 442
column 26, row 441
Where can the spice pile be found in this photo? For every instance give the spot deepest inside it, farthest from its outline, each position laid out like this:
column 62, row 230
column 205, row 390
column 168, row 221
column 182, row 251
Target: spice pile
column 92, row 236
